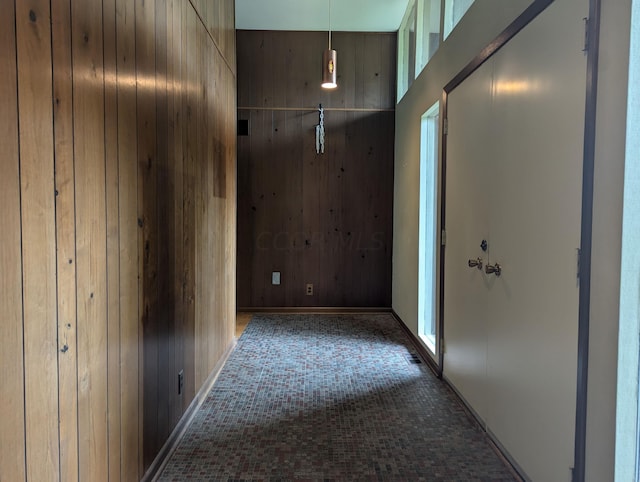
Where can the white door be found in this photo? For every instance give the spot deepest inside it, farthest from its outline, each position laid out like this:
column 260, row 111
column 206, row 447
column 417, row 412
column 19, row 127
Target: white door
column 467, row 225
column 538, row 106
column 532, row 195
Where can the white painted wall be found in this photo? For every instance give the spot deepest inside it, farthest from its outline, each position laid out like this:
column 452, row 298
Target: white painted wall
column 482, row 23
column 484, row 20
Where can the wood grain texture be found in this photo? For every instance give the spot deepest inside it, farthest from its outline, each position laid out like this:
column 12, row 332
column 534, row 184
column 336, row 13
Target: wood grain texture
column 190, row 100
column 118, row 211
column 209, row 162
column 174, row 191
column 182, row 361
column 128, row 241
column 319, row 219
column 147, row 198
column 12, row 431
column 282, row 69
column 114, row 388
column 167, row 379
column 65, row 238
column 91, row 236
column 33, row 30
column 198, row 168
column 218, row 17
column 230, row 150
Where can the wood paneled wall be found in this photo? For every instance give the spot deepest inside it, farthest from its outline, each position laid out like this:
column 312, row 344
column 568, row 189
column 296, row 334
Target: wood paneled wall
column 118, row 202
column 320, row 219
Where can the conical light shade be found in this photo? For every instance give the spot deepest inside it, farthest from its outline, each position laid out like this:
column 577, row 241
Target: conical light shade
column 329, row 63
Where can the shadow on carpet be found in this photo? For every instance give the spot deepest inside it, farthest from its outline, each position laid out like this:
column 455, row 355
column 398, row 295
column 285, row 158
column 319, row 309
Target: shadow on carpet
column 331, row 398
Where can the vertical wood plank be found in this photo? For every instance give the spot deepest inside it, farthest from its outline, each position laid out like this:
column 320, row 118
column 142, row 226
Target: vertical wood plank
column 347, row 65
column 311, row 64
column 128, row 240
column 163, row 203
column 147, row 198
column 387, row 71
column 230, row 145
column 189, row 231
column 180, row 180
column 173, row 212
column 318, row 202
column 199, row 187
column 343, row 237
column 361, row 59
column 12, row 432
column 245, row 236
column 246, row 95
column 113, row 241
column 66, row 244
column 292, row 76
column 206, row 162
column 91, row 246
column 218, row 18
column 217, row 69
column 278, row 72
column 33, row 28
column 372, row 53
column 168, row 246
column 229, row 32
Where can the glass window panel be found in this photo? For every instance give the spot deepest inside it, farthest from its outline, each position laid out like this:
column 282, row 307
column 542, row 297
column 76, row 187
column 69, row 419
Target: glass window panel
column 428, row 226
column 454, row 10
column 428, row 31
column 407, row 50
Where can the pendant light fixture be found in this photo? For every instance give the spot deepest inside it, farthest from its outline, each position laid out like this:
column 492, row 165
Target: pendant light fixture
column 329, row 59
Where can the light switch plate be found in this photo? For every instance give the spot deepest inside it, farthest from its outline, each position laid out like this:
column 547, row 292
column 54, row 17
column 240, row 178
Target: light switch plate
column 275, row 278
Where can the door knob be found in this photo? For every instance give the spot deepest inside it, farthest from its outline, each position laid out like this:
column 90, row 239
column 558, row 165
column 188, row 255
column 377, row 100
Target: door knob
column 493, row 269
column 475, row 263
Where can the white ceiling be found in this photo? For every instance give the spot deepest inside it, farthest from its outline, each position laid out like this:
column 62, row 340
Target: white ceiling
column 346, row 15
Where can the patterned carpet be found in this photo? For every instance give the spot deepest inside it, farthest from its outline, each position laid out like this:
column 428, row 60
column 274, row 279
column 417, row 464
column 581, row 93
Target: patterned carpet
column 331, row 398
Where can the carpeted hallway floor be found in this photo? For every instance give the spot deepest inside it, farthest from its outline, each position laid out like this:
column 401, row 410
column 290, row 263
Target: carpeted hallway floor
column 331, row 397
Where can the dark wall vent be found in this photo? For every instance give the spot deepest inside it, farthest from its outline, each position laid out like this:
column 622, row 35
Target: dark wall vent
column 243, row 127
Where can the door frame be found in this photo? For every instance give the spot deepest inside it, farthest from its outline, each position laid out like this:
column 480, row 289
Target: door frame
column 592, row 42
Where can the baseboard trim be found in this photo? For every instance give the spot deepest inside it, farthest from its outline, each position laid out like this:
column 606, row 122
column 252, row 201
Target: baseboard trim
column 169, row 447
column 471, row 413
column 422, row 350
column 503, row 453
column 315, row 310
column 500, row 450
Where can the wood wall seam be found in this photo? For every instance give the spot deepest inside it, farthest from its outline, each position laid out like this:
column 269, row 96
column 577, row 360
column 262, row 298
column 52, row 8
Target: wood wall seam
column 91, row 235
column 33, row 34
column 12, row 390
column 66, row 235
column 117, row 201
column 114, row 388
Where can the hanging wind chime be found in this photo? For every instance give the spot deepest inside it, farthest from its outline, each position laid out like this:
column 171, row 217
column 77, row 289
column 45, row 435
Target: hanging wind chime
column 320, row 132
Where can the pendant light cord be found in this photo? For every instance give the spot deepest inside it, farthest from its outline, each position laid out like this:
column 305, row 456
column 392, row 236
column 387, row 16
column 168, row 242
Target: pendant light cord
column 329, row 24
